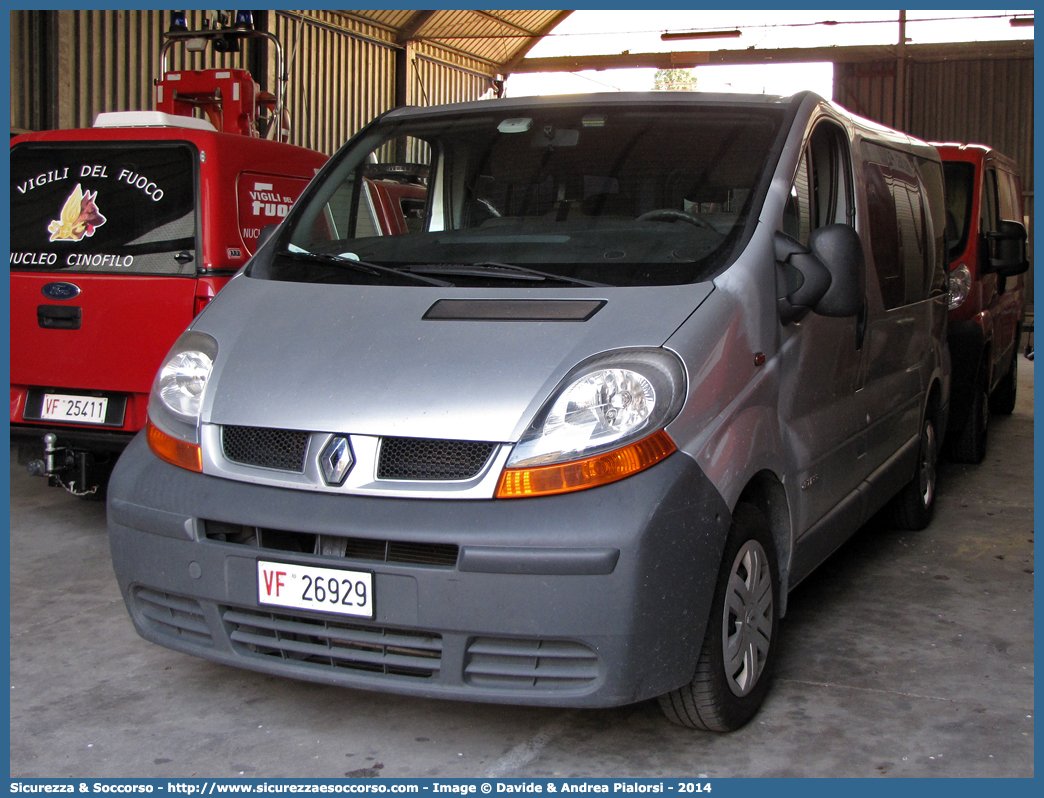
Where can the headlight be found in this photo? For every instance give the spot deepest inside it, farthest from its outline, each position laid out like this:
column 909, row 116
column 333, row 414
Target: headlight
column 181, row 382
column 604, row 422
column 960, row 286
column 176, row 400
column 182, row 378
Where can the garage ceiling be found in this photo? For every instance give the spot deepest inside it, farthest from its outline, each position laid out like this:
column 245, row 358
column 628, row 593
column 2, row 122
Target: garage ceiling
column 501, row 39
column 497, row 38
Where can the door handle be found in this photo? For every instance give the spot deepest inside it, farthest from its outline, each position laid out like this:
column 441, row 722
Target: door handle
column 59, row 317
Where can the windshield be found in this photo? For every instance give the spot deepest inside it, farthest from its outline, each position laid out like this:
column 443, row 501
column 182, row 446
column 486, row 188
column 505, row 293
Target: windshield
column 960, row 187
column 566, row 194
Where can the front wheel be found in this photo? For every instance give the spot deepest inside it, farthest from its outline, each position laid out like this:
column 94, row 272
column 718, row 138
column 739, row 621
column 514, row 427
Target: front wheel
column 734, row 668
column 914, row 505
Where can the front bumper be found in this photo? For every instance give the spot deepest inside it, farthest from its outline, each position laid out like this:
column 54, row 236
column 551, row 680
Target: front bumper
column 595, row 598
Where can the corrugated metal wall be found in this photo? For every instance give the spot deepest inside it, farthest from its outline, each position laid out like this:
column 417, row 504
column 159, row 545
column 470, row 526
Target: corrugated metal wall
column 69, row 66
column 106, row 64
column 339, row 79
column 344, row 72
column 987, row 101
column 27, row 75
column 441, row 76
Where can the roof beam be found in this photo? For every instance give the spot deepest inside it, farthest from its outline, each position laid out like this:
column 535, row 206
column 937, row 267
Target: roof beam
column 506, row 23
column 958, row 51
column 416, row 21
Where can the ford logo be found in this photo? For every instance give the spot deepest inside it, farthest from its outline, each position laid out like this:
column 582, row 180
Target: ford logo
column 60, row 290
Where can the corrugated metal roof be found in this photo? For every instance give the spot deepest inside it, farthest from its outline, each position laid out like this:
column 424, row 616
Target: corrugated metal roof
column 494, row 38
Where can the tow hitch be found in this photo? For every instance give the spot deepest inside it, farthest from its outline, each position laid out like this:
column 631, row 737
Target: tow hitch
column 79, row 472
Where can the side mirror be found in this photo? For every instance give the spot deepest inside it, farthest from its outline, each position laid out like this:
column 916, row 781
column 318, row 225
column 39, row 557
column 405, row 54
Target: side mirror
column 1007, row 250
column 829, row 278
column 837, row 246
column 264, row 235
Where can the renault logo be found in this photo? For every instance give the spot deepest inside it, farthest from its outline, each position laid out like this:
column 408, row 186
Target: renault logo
column 336, row 460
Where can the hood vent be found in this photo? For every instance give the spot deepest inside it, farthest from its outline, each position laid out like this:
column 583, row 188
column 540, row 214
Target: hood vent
column 513, row 309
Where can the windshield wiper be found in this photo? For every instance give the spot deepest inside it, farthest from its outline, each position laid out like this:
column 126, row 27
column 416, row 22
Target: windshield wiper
column 362, row 266
column 494, row 269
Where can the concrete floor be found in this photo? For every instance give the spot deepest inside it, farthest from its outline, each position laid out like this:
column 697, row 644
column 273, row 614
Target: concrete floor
column 906, row 654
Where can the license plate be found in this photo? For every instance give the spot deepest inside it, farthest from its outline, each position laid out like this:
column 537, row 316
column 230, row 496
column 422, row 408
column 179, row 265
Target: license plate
column 305, row 587
column 80, row 409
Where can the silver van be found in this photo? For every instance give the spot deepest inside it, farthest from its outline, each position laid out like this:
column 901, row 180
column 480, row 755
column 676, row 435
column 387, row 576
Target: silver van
column 637, row 365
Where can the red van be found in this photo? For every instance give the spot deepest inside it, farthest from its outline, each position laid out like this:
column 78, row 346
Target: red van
column 986, row 236
column 120, row 235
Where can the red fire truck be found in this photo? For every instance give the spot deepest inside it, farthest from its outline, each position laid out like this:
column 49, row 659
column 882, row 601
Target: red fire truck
column 120, row 235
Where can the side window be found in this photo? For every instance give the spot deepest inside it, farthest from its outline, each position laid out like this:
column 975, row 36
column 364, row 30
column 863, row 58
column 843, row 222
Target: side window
column 822, row 189
column 884, row 236
column 907, row 219
column 832, row 177
column 413, row 212
column 934, row 193
column 913, row 244
column 797, row 216
column 989, row 202
column 1007, row 202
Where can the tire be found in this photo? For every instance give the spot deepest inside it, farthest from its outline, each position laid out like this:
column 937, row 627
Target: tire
column 968, row 443
column 913, row 507
column 739, row 648
column 1002, row 400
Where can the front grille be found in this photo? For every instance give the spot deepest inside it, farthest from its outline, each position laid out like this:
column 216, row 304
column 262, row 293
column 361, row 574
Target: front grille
column 396, row 551
column 173, row 615
column 421, row 553
column 281, row 449
column 334, row 644
column 430, row 459
column 400, row 458
column 519, row 664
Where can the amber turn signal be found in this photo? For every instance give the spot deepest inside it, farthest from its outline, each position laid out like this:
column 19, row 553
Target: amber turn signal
column 175, row 452
column 601, row 469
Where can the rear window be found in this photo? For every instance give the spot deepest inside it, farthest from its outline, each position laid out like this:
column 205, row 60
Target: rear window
column 103, row 208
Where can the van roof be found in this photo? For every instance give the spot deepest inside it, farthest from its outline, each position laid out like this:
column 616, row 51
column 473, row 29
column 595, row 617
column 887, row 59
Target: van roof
column 974, row 153
column 806, row 100
column 953, row 145
column 603, row 98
